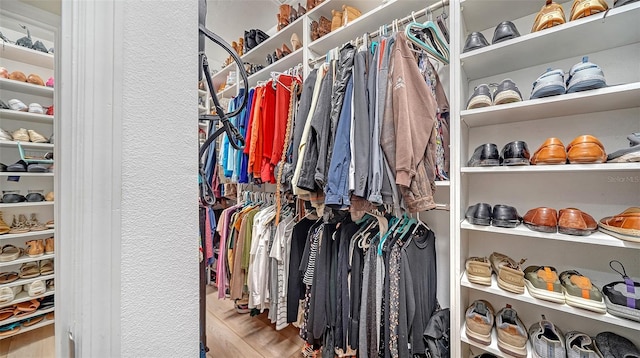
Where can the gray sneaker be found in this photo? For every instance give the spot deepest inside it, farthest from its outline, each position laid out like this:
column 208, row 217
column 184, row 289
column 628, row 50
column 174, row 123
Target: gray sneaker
column 580, row 345
column 547, row 340
column 611, row 345
column 585, row 76
column 631, row 154
column 550, row 83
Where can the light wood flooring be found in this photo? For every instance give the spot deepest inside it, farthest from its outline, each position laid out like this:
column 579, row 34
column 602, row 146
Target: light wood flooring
column 37, row 343
column 229, row 334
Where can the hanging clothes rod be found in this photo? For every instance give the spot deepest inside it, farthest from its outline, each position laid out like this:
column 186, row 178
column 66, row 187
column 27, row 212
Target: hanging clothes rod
column 400, row 22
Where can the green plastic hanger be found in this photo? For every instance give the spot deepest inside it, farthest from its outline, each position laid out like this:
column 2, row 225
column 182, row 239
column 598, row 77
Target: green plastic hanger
column 436, row 48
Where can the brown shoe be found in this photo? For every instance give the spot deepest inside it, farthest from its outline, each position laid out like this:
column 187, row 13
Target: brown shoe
column 35, row 248
column 4, row 228
column 586, row 149
column 314, row 30
column 349, row 13
column 301, row 10
column 285, row 50
column 552, row 151
column 310, row 4
column 509, row 272
column 336, row 23
column 324, row 26
column 572, row 221
column 625, row 226
column 550, row 15
column 542, row 219
column 283, row 16
column 584, row 8
column 48, row 246
column 478, row 270
column 240, row 46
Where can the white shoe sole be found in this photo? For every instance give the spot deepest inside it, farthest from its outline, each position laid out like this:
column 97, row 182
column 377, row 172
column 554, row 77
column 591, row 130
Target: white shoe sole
column 622, row 234
column 579, row 302
column 507, row 97
column 477, row 337
column 479, row 102
column 520, row 352
column 627, row 158
column 551, row 296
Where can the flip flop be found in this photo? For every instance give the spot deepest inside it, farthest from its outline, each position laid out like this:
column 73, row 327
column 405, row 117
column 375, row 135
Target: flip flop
column 47, row 303
column 19, row 166
column 9, row 329
column 10, row 253
column 31, row 321
column 34, row 197
column 36, row 168
column 8, row 277
column 6, row 313
column 12, row 198
column 26, row 307
column 29, row 270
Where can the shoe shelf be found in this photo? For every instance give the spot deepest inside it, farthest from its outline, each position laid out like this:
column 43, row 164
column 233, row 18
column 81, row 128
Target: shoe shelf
column 562, row 168
column 494, row 289
column 26, row 55
column 491, row 348
column 221, row 76
column 25, row 204
column 599, row 100
column 6, row 143
column 25, row 116
column 26, row 88
column 597, row 238
column 26, row 258
column 202, row 110
column 228, row 91
column 30, row 234
column 479, row 15
column 24, row 174
column 34, row 314
column 44, row 323
column 202, row 93
column 258, row 54
column 368, row 22
column 27, row 280
column 281, row 65
column 572, row 39
column 24, row 297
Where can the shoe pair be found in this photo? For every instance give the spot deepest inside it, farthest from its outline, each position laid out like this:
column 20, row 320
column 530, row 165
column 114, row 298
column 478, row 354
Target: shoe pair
column 278, row 54
column 504, row 31
column 320, row 28
column 569, row 221
column 500, row 216
column 253, row 38
column 583, row 76
column 627, row 155
column 570, row 287
column 28, row 43
column 552, row 13
column 513, row 153
column 511, row 332
column 20, row 77
column 506, row 92
column 584, row 149
column 509, row 273
column 23, row 135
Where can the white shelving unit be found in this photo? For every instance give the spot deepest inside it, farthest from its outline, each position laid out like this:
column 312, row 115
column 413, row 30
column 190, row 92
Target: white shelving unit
column 605, row 189
column 28, row 61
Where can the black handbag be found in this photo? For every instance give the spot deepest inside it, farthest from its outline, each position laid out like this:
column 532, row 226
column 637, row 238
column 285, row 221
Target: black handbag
column 436, row 334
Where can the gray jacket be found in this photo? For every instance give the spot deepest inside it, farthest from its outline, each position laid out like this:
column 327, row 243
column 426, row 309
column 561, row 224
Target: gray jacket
column 361, row 130
column 303, row 111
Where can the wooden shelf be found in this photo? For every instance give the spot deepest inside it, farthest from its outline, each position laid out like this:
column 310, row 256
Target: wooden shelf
column 25, row 258
column 26, row 204
column 6, row 143
column 258, row 54
column 25, row 174
column 28, row 280
column 599, row 100
column 26, row 55
column 30, row 234
column 26, row 88
column 493, row 347
column 556, row 43
column 24, row 297
column 281, row 65
column 46, row 322
column 597, row 238
column 383, row 14
column 563, row 168
column 25, row 116
column 526, row 297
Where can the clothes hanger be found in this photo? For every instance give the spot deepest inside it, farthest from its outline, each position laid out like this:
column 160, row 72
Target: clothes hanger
column 442, row 25
column 436, row 46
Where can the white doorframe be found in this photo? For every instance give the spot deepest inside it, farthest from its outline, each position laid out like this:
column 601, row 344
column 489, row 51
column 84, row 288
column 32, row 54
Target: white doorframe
column 88, row 179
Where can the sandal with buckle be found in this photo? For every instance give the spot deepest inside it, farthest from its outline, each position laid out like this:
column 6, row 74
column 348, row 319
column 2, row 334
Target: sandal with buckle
column 8, row 277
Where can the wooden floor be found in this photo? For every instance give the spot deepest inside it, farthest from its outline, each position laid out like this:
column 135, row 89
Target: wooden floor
column 37, row 343
column 229, row 334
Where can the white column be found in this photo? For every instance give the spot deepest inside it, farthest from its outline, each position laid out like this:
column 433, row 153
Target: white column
column 126, row 179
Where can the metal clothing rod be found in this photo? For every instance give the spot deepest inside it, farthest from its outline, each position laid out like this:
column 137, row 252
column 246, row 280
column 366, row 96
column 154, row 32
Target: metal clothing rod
column 400, row 22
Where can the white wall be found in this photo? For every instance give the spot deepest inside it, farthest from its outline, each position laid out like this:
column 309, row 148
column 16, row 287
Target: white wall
column 159, row 267
column 126, row 179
